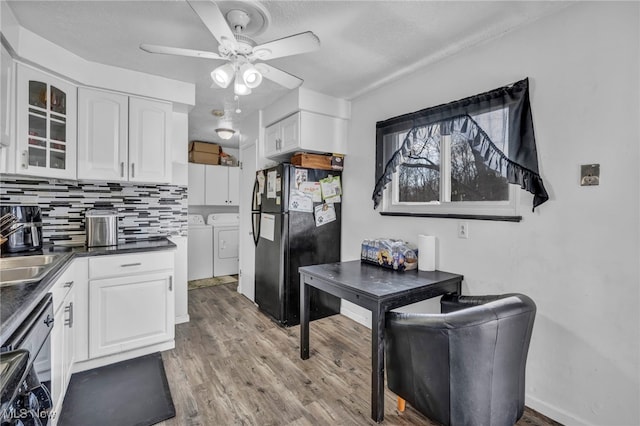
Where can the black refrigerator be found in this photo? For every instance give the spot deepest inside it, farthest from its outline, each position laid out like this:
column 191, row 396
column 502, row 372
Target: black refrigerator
column 295, row 224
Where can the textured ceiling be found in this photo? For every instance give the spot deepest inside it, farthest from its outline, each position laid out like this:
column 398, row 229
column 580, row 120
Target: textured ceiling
column 364, row 44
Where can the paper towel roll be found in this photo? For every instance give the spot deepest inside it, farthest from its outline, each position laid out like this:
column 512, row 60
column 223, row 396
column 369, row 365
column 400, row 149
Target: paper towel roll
column 426, row 252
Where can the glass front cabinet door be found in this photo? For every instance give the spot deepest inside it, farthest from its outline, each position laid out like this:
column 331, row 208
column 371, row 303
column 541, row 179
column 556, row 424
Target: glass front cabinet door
column 46, row 110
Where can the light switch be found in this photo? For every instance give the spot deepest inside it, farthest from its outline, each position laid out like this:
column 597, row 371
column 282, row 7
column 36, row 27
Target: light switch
column 590, row 174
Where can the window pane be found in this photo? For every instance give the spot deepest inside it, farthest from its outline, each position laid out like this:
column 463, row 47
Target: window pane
column 37, row 142
column 58, row 101
column 58, row 131
column 495, row 125
column 37, row 94
column 37, row 126
column 419, row 177
column 37, row 157
column 471, row 179
column 57, row 160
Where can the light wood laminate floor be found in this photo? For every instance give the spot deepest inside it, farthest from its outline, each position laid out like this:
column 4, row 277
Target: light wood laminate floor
column 234, row 366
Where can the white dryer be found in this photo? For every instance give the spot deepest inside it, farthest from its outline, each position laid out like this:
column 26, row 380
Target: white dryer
column 225, row 242
column 199, row 248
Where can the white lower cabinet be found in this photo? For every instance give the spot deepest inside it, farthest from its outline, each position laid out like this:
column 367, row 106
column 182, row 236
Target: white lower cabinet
column 62, row 335
column 131, row 302
column 107, row 309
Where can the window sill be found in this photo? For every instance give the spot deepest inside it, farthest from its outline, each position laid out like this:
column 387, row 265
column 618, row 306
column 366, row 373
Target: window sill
column 456, row 216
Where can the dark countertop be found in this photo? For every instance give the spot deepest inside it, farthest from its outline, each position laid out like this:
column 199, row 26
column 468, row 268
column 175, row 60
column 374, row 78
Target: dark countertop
column 17, row 301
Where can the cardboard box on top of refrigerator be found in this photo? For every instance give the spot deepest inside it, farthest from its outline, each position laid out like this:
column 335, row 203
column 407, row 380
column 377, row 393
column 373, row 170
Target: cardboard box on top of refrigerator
column 204, row 153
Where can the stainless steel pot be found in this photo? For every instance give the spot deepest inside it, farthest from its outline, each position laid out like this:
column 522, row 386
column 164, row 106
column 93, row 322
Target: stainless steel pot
column 102, row 227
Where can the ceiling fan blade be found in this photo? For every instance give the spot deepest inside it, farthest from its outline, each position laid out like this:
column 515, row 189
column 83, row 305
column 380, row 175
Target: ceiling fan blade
column 292, row 45
column 212, row 17
column 276, row 75
column 166, row 50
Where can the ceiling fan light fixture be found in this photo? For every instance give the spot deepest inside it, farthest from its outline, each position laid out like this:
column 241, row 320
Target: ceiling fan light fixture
column 224, row 133
column 250, row 76
column 223, row 75
column 239, row 88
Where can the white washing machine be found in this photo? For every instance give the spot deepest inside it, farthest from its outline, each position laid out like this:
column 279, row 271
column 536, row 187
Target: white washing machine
column 225, row 243
column 199, row 248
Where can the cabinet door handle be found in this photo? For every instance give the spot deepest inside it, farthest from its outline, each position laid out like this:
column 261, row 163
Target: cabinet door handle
column 122, row 169
column 126, row 265
column 68, row 284
column 25, row 156
column 170, row 282
column 48, row 321
column 133, row 170
column 69, row 309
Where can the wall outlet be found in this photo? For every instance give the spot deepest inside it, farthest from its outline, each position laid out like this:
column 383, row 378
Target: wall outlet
column 463, row 230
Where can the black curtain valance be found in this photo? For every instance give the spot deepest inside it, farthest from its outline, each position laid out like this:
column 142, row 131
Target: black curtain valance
column 519, row 165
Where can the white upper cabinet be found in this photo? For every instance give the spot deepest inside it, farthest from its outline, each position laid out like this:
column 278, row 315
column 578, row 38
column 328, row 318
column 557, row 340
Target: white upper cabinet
column 234, row 186
column 123, row 138
column 7, row 86
column 46, row 125
column 149, row 140
column 222, row 185
column 195, row 188
column 305, row 131
column 213, row 185
column 103, row 136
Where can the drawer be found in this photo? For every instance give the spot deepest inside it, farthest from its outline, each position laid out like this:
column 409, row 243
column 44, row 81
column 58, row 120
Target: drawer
column 62, row 286
column 128, row 264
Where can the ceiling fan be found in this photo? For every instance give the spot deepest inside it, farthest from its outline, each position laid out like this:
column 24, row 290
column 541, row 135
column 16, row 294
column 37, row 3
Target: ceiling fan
column 232, row 32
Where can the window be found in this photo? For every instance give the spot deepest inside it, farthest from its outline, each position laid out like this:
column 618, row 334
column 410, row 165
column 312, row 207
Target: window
column 453, row 160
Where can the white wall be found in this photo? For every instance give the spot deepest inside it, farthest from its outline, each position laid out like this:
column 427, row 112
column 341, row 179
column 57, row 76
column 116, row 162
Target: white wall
column 578, row 255
column 251, row 130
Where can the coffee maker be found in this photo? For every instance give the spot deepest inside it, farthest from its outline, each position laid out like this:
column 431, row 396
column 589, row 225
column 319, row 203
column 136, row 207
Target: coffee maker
column 28, row 235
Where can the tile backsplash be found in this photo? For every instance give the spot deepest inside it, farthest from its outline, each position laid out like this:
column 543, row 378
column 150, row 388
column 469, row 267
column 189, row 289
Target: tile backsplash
column 144, row 211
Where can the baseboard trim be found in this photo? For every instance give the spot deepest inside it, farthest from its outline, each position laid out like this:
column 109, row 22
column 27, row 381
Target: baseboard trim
column 111, row 359
column 554, row 413
column 182, row 319
column 344, row 310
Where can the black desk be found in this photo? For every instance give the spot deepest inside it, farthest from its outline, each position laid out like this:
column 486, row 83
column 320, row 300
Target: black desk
column 378, row 290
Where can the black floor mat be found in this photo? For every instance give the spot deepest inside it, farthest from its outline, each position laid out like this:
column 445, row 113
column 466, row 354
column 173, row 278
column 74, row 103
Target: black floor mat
column 134, row 392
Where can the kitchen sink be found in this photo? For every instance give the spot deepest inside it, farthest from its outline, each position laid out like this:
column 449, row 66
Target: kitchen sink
column 22, row 269
column 14, row 275
column 25, row 261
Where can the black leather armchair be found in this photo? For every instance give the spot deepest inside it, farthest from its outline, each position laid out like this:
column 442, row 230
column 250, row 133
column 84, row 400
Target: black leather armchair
column 465, row 366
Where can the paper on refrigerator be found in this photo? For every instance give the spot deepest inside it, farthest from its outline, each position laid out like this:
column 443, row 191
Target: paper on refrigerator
column 267, row 226
column 312, row 189
column 272, row 184
column 300, row 202
column 331, row 189
column 324, row 213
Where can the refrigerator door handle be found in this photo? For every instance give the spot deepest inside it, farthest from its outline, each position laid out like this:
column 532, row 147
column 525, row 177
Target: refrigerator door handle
column 255, row 232
column 254, row 194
